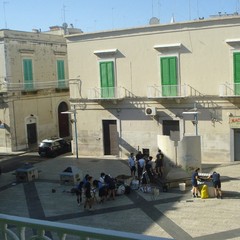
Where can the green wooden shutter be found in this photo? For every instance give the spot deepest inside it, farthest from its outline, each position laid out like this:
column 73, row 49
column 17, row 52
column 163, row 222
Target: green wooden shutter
column 236, row 69
column 107, row 79
column 169, row 76
column 61, row 74
column 28, row 74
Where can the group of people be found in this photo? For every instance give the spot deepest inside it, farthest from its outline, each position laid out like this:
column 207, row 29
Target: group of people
column 215, row 177
column 105, row 187
column 145, row 167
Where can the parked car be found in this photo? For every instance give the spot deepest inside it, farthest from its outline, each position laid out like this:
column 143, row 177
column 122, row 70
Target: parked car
column 54, row 147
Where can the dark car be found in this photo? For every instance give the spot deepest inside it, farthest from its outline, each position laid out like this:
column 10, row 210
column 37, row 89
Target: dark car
column 53, row 147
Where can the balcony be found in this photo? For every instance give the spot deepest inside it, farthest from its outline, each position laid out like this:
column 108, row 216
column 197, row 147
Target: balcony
column 168, row 91
column 34, row 86
column 21, row 228
column 107, row 93
column 229, row 90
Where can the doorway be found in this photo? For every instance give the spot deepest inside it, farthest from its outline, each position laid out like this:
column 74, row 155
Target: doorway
column 236, row 144
column 171, row 128
column 63, row 120
column 110, row 137
column 31, row 134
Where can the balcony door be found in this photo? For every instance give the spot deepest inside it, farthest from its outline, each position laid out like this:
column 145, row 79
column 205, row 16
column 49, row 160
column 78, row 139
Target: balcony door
column 61, row 74
column 28, row 74
column 107, row 79
column 236, row 69
column 169, row 79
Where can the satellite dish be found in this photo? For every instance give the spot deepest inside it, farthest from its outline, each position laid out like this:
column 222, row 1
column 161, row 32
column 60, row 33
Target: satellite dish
column 154, row 20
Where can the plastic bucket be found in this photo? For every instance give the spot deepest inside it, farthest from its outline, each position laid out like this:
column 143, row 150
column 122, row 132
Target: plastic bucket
column 182, row 186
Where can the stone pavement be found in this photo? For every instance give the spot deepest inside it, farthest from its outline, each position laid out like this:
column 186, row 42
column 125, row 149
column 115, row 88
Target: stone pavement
column 173, row 214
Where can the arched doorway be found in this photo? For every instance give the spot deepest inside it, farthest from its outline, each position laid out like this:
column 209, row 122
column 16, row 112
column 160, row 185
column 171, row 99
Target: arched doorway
column 63, row 120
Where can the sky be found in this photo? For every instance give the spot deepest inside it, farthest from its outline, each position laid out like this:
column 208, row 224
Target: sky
column 103, row 15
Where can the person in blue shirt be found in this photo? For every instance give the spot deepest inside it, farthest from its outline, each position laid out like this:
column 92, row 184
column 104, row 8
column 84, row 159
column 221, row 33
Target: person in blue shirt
column 216, row 184
column 195, row 183
column 132, row 164
column 79, row 191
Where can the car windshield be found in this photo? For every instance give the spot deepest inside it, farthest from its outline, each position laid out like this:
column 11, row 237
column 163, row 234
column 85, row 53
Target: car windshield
column 45, row 144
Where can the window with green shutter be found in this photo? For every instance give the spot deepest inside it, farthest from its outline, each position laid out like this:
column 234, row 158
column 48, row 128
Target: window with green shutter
column 28, row 74
column 169, row 76
column 236, row 69
column 61, row 74
column 107, row 79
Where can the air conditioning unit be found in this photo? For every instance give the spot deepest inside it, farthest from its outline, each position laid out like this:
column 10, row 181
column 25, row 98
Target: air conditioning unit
column 150, row 111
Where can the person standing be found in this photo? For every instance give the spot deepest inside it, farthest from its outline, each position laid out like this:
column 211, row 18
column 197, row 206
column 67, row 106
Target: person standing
column 159, row 163
column 88, row 195
column 216, row 184
column 79, row 190
column 195, row 183
column 141, row 164
column 132, row 164
column 149, row 168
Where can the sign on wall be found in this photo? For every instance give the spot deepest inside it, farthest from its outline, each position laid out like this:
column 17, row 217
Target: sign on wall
column 234, row 122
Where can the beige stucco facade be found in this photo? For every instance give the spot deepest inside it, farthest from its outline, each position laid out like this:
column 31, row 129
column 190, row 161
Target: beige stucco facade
column 204, row 97
column 31, row 96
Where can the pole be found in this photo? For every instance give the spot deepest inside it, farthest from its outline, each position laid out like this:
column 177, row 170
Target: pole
column 75, row 129
column 196, row 118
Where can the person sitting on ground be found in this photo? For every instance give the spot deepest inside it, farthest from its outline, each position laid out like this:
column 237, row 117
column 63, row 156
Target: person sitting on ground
column 216, row 184
column 194, row 181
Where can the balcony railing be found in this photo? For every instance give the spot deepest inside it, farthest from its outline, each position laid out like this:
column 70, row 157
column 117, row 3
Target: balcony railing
column 229, row 90
column 20, row 228
column 168, row 91
column 107, row 93
column 34, row 86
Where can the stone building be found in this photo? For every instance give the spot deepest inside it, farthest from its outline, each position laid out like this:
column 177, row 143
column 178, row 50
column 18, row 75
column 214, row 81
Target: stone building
column 33, row 89
column 177, row 79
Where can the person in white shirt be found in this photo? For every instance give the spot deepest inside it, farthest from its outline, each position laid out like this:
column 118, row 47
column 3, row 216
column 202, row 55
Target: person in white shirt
column 141, row 164
column 101, row 178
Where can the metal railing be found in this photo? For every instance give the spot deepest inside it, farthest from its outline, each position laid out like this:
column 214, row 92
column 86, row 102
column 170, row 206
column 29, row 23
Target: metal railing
column 34, row 86
column 21, row 228
column 106, row 93
column 167, row 91
column 229, row 90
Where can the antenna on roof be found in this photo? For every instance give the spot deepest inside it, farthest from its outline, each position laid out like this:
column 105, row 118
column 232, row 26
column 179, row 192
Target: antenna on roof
column 4, row 13
column 154, row 21
column 172, row 19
